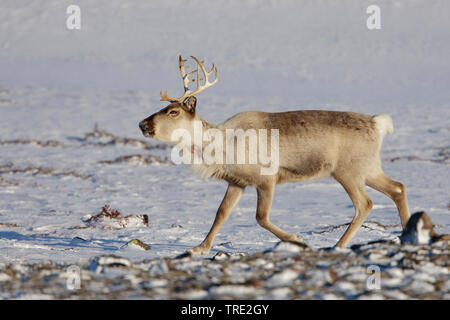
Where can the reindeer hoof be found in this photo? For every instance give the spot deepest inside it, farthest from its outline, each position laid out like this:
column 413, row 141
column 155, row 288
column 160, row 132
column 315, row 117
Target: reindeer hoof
column 185, row 254
column 199, row 250
column 297, row 240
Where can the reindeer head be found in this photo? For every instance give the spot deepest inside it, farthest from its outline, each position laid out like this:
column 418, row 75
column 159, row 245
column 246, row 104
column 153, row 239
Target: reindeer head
column 180, row 113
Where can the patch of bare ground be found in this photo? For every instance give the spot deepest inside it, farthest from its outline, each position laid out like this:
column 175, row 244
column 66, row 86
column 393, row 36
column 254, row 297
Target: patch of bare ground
column 10, row 168
column 96, row 137
column 139, row 159
column 441, row 156
column 3, row 96
column 369, row 225
column 47, row 143
column 10, row 225
column 7, row 183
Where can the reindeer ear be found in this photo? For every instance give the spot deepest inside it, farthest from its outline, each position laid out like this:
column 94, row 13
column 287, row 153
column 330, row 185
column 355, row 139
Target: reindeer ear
column 190, row 103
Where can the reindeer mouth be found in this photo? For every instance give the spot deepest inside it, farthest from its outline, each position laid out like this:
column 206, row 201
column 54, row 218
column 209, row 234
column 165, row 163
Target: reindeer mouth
column 149, row 134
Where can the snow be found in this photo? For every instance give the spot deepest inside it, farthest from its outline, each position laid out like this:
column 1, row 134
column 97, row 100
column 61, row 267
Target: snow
column 56, row 85
column 283, row 278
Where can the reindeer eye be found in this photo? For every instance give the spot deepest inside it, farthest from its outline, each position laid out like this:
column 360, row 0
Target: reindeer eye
column 173, row 112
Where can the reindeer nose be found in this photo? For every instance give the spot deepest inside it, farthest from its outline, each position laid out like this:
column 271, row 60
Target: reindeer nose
column 142, row 126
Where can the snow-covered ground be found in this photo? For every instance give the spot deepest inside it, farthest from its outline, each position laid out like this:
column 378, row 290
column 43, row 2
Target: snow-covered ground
column 71, row 100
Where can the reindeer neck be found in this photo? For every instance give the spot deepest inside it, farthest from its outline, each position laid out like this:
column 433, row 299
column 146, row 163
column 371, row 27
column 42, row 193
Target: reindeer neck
column 205, row 124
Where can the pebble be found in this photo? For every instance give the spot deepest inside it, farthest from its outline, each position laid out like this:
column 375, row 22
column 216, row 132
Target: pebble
column 283, row 278
column 287, row 271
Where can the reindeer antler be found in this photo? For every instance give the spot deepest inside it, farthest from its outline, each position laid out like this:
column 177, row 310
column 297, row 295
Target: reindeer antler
column 186, row 80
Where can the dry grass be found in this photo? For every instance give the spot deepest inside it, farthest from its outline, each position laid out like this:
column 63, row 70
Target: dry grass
column 106, row 212
column 47, row 143
column 10, row 168
column 139, row 159
column 441, row 156
column 108, row 215
column 110, row 139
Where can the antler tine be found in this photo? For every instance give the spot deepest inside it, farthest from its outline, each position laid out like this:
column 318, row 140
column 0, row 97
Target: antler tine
column 185, row 77
column 198, row 79
column 206, row 73
column 214, row 68
column 164, row 96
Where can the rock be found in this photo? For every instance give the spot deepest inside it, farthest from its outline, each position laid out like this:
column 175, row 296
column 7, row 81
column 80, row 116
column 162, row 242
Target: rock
column 289, row 247
column 155, row 283
column 283, row 278
column 220, row 256
column 184, row 255
column 113, row 261
column 419, row 287
column 235, row 291
column 346, row 288
column 78, row 240
column 158, row 267
column 137, row 244
column 4, row 277
column 194, row 294
column 407, row 272
column 281, row 293
column 99, row 263
column 418, row 230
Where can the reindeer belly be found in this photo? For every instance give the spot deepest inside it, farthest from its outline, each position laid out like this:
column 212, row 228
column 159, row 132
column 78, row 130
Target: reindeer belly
column 303, row 159
column 312, row 168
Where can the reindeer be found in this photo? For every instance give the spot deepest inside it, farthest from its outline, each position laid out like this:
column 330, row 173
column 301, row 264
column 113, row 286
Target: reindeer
column 312, row 145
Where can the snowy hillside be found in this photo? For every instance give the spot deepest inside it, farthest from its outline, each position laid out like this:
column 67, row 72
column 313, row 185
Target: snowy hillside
column 71, row 100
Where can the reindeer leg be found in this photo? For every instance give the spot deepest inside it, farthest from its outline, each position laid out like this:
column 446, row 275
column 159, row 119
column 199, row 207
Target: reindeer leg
column 394, row 190
column 362, row 204
column 265, row 196
column 230, row 199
